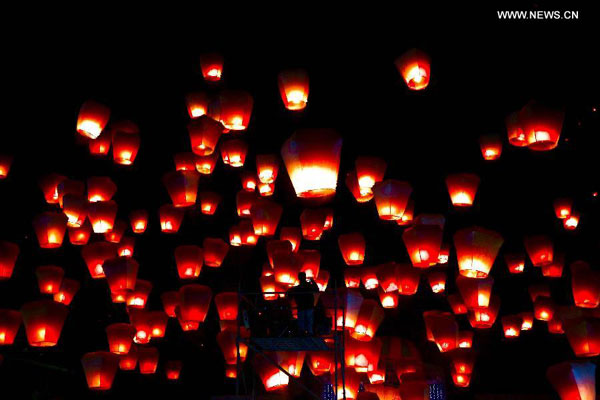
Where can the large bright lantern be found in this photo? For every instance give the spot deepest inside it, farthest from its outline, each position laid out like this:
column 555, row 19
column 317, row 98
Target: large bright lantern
column 43, row 320
column 293, row 87
column 391, row 198
column 92, row 119
column 462, row 189
column 414, row 66
column 476, row 250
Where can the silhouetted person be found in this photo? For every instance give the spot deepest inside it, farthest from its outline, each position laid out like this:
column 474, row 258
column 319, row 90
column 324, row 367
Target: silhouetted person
column 303, row 295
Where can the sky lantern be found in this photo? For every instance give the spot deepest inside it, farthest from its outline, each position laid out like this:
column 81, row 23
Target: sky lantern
column 138, row 220
column 409, row 212
column 457, row 304
column 554, row 270
column 540, row 250
column 570, row 223
column 423, row 240
column 527, row 320
column 312, row 160
column 170, row 300
column 81, row 235
column 515, row 262
column 50, row 228
column 555, row 326
column 189, row 260
column 320, row 362
column 268, row 286
column 100, row 368
column 141, row 320
column 182, row 187
column 541, row 125
column 128, row 362
column 170, row 218
column 391, row 198
column 211, row 65
column 475, row 292
column 387, row 276
column 293, row 87
column 265, row 216
column 69, row 186
column 5, row 163
column 585, row 285
column 511, row 326
column 444, row 255
column 277, row 246
column 414, row 67
column 322, row 280
column 227, row 343
column 437, row 281
column 362, row 355
column 209, row 201
column 352, row 185
column 444, row 330
column 49, row 278
column 462, row 189
column 204, row 135
column 388, row 299
column 514, row 128
column 66, row 292
column 102, row 215
column 94, row 255
column 369, row 171
column 101, row 145
column 121, row 273
column 328, row 218
column 349, row 300
column 115, row 234
column 348, row 390
column 233, row 152
column 194, row 302
column 158, row 323
column 126, row 246
column 285, row 268
column 575, row 380
column 249, row 181
column 185, row 161
column 408, row 279
column 491, row 147
column 368, row 320
column 92, row 119
column 465, row 339
column 368, row 278
column 312, row 221
column 462, row 361
column 543, row 308
column 293, row 235
column 197, row 104
column 10, row 321
column 215, row 250
column 235, row 109
column 120, row 337
column 271, row 377
column 352, row 278
column 484, row 317
column 227, row 305
column 173, row 369
column 147, row 359
column 244, row 201
column 267, row 166
column 139, row 296
column 100, row 188
column 125, row 142
column 49, row 186
column 43, row 320
column 310, row 262
column 583, row 335
column 476, row 250
column 206, row 164
column 9, row 252
column 563, row 207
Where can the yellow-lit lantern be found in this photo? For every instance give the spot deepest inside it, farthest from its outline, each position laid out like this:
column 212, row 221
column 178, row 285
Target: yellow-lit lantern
column 476, row 250
column 100, row 368
column 102, row 215
column 92, row 119
column 491, row 147
column 235, row 109
column 182, row 187
column 100, row 188
column 233, row 152
column 516, row 136
column 573, row 380
column 171, row 218
column 211, row 65
column 563, row 207
column 204, row 135
column 293, row 87
column 541, row 125
column 43, row 320
column 5, row 164
column 267, row 166
column 49, row 278
column 391, row 198
column 369, row 171
column 352, row 246
column 462, row 189
column 414, row 67
column 50, row 228
column 197, row 104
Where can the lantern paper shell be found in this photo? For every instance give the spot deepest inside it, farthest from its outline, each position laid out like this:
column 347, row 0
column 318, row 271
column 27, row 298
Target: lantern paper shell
column 511, row 326
column 491, row 147
column 204, row 135
column 227, row 342
column 527, row 320
column 215, row 250
column 265, row 216
column 115, row 234
column 320, row 362
column 476, row 250
column 554, row 270
column 138, row 220
column 516, row 136
column 125, row 142
column 475, row 293
column 352, row 278
column 463, row 361
column 312, row 222
column 182, row 187
column 585, row 285
column 148, row 359
column 94, row 255
column 462, row 188
column 102, row 215
column 10, row 321
column 271, row 377
column 368, row 320
column 414, row 67
column 9, row 252
column 227, row 305
column 211, row 65
column 293, row 88
column 185, row 161
column 50, row 228
column 139, row 296
column 43, row 320
column 570, row 223
column 360, row 354
column 484, row 317
column 369, row 171
column 391, row 198
column 128, row 362
column 49, row 186
column 101, row 145
column 563, row 207
column 369, row 278
column 267, row 167
column 423, row 243
column 100, row 188
column 349, row 300
column 5, row 164
column 235, row 109
column 170, row 300
column 583, row 335
column 540, row 250
column 141, row 320
column 352, row 246
column 249, row 181
column 173, row 369
column 352, row 185
column 543, row 308
column 197, row 104
column 49, row 278
column 310, row 262
column 206, row 164
column 80, row 236
column 209, row 201
column 312, row 160
column 275, row 247
column 457, row 304
column 407, row 217
column 541, row 125
column 74, row 207
column 573, row 380
column 69, row 186
column 170, row 218
column 465, row 339
column 233, row 152
column 515, row 262
column 120, row 337
column 121, row 273
column 293, row 235
column 68, row 289
column 194, row 301
column 244, row 201
column 189, row 260
column 442, row 329
column 92, row 119
column 100, row 368
column 437, row 281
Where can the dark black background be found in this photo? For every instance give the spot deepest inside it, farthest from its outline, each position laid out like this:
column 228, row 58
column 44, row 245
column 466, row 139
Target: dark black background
column 482, row 69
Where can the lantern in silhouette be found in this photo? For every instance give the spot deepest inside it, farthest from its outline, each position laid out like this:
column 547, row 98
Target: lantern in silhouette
column 197, row 104
column 476, row 250
column 265, row 216
column 227, row 342
column 182, row 187
column 268, row 286
column 585, row 284
column 121, row 273
column 515, row 262
column 563, row 207
column 233, row 152
column 173, row 369
column 391, row 198
column 185, row 161
column 414, row 67
column 50, row 228
column 514, row 128
column 100, row 188
column 49, row 186
column 541, row 126
column 352, row 246
column 484, row 317
column 312, row 160
column 293, row 87
column 148, row 359
column 540, row 250
column 211, row 65
column 49, row 278
column 475, row 293
column 206, row 164
column 465, row 339
column 369, row 171
column 322, row 280
column 235, row 109
column 170, row 218
column 139, row 296
column 573, row 380
column 267, row 166
column 285, row 268
column 80, row 236
column 215, row 250
column 125, row 142
column 43, row 320
column 92, row 119
column 120, row 337
column 462, row 189
column 511, row 326
column 360, row 354
column 457, row 304
column 102, row 215
column 204, row 135
column 194, row 301
column 437, row 281
column 100, row 368
column 312, row 222
column 491, row 147
column 189, row 260
column 352, row 185
column 423, row 240
column 277, row 247
column 8, row 257
column 368, row 320
column 570, row 223
column 10, row 321
column 101, row 145
column 310, row 262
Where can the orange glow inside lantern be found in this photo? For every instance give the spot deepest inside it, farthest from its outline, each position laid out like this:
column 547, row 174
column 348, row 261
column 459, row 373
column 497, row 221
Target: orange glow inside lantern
column 423, row 243
column 182, row 187
column 322, row 280
column 43, row 320
column 139, row 296
column 235, row 109
column 211, row 65
column 249, row 181
column 476, row 250
column 233, row 152
column 391, row 198
column 9, row 252
column 491, row 147
column 209, row 201
column 50, row 228
column 66, row 292
column 267, row 166
column 407, row 217
column 369, row 171
column 5, row 163
column 125, row 142
column 465, row 339
column 310, row 262
column 100, row 368
column 185, row 161
column 10, row 320
column 215, row 250
column 437, row 281
column 368, row 320
column 293, row 235
column 312, row 222
column 101, row 145
column 543, row 308
column 414, row 67
column 352, row 185
column 120, row 337
column 563, row 207
column 515, row 262
column 194, row 302
column 541, row 126
column 204, row 135
column 80, row 236
column 265, row 216
column 352, row 246
column 49, row 186
column 126, row 246
column 173, row 369
column 121, row 273
column 102, row 215
column 457, row 304
column 206, row 164
column 49, row 278
column 484, row 317
column 570, row 223
column 92, row 119
column 475, row 293
column 540, row 250
column 368, row 277
column 462, row 189
column 293, row 88
column 94, row 255
column 227, row 342
column 139, row 220
column 170, row 300
column 516, row 136
column 189, row 260
column 197, row 104
column 585, row 285
column 170, row 218
column 100, row 188
column 148, row 359
column 511, row 326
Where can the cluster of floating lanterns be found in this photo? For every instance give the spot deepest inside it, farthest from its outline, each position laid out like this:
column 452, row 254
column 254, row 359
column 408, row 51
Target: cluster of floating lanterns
column 311, row 158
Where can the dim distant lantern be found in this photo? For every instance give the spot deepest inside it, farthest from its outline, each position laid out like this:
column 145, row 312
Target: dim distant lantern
column 182, row 187
column 50, row 228
column 128, row 362
column 227, row 305
column 312, row 160
column 139, row 220
column 9, row 252
column 126, row 246
column 387, row 276
column 101, row 146
column 249, row 181
column 475, row 292
column 476, row 250
column 173, row 369
column 368, row 320
column 275, row 247
column 462, row 189
column 189, row 260
column 100, row 368
column 583, row 335
column 491, row 147
column 312, row 222
column 267, row 166
column 554, row 270
column 233, row 152
column 369, row 171
column 185, row 161
column 268, row 286
column 484, row 317
column 362, row 355
column 5, row 163
column 66, row 292
column 121, row 273
column 511, row 325
column 69, row 186
column 158, row 323
column 585, row 284
column 310, row 262
column 170, row 218
column 570, row 223
column 43, row 320
column 49, row 186
column 408, row 279
column 125, row 142
column 147, row 359
column 100, row 188
column 352, row 185
column 423, row 240
column 538, row 290
column 414, row 67
column 170, row 300
column 293, row 87
column 541, row 126
column 194, row 302
column 563, row 207
column 102, row 215
column 543, row 308
column 244, row 201
column 527, row 318
column 80, row 236
column 407, row 217
column 120, row 337
column 437, row 281
column 209, row 201
column 139, row 296
column 349, row 389
column 92, row 119
column 515, row 262
column 457, row 304
column 197, row 104
column 235, row 109
column 211, row 65
column 227, row 342
column 115, row 234
column 204, row 135
column 265, row 216
column 465, row 339
column 573, row 380
column 516, row 136
column 391, row 198
column 49, row 278
column 10, row 321
column 540, row 250
column 215, row 250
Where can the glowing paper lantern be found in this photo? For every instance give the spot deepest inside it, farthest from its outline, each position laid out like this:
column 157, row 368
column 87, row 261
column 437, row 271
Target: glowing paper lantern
column 128, row 362
column 204, row 135
column 583, row 335
column 8, row 257
column 463, row 361
column 407, row 217
column 233, row 152
column 249, row 181
column 43, row 320
column 75, row 208
column 541, row 126
column 10, row 321
column 312, row 222
column 352, row 278
column 100, row 188
column 573, row 380
column 265, row 216
column 527, row 318
column 515, row 262
column 100, row 368
column 92, row 119
column 457, row 304
column 211, row 65
column 125, row 142
column 348, row 390
column 170, row 300
column 465, row 339
column 322, row 280
column 182, row 187
column 414, row 67
column 173, row 369
column 102, row 215
column 126, row 246
column 554, row 270
column 476, row 250
column 293, row 235
column 209, row 201
column 244, row 201
column 66, row 292
column 391, row 198
column 491, row 147
column 267, row 166
column 369, row 171
column 227, row 305
column 139, row 220
column 352, row 185
column 437, row 281
column 139, row 296
column 516, row 136
column 462, row 188
column 475, row 293
column 49, row 278
column 185, row 161
column 360, row 354
column 170, row 218
column 141, row 320
column 80, row 236
column 49, row 186
column 100, row 146
column 369, row 278
column 194, row 301
column 442, row 329
column 570, row 223
column 349, row 300
column 585, row 284
column 235, row 109
column 423, row 240
column 215, row 250
column 540, row 250
column 484, row 317
column 148, row 359
column 69, row 186
column 320, row 362
column 197, row 104
column 206, row 164
column 271, row 377
column 368, row 320
column 120, row 337
column 310, row 262
column 511, row 326
column 293, row 87
column 50, row 228
column 563, row 207
column 5, row 163
column 94, row 255
column 543, row 308
column 189, row 260
column 115, row 234
column 227, row 342
column 312, row 160
column 121, row 273
column 408, row 279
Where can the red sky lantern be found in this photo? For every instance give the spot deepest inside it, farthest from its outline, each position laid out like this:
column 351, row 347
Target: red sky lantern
column 414, row 67
column 102, row 215
column 121, row 273
column 349, row 300
column 368, row 278
column 268, row 286
column 275, row 247
column 570, row 223
column 463, row 361
column 100, row 146
column 554, row 270
column 126, row 246
column 511, row 326
column 387, row 276
column 444, row 255
column 515, row 262
column 543, row 308
column 585, row 284
column 189, row 260
column 100, row 368
column 563, row 207
column 182, row 187
column 185, row 161
column 293, row 235
column 457, row 304
column 173, row 369
column 10, row 321
column 211, row 65
column 128, row 362
column 197, row 104
column 49, row 185
column 271, row 377
column 115, row 234
column 352, row 185
column 43, row 320
column 194, row 302
column 362, row 355
column 540, row 250
column 206, row 164
column 244, row 201
column 266, row 189
column 423, row 240
column 407, row 217
column 312, row 221
column 66, row 292
column 541, row 126
column 265, row 216
column 50, row 228
column 235, row 109
column 247, row 235
column 139, row 220
column 227, row 306
column 120, row 337
column 312, row 160
column 322, row 280
column 170, row 300
column 527, row 320
column 227, row 342
column 267, row 166
column 125, row 142
column 444, row 330
column 139, row 296
column 408, row 279
column 204, row 135
column 141, row 320
column 80, row 236
column 465, row 339
column 69, row 186
column 484, row 318
column 369, row 171
column 516, row 136
column 437, row 281
column 49, row 278
column 92, row 119
column 348, row 390
column 293, row 88
column 320, row 362
column 391, row 198
column 94, row 255
column 574, row 380
column 158, row 323
column 233, row 152
column 310, row 262
column 368, row 320
column 209, row 201
column 285, row 268
column 5, row 163
column 388, row 299
column 583, row 335
column 352, row 278
column 100, row 188
column 249, row 181
column 170, row 218
column 462, row 189
column 491, row 147
column 328, row 218
column 215, row 250
column 148, row 359
column 476, row 250
column 475, row 292
column 9, row 252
